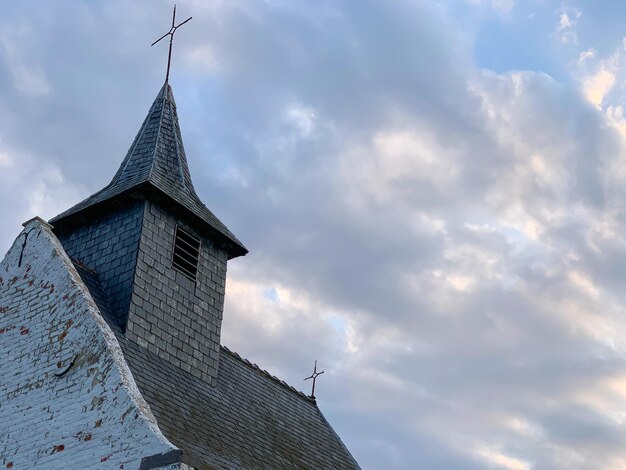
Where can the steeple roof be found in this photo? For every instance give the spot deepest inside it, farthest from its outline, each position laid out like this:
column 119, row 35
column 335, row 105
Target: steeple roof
column 156, row 161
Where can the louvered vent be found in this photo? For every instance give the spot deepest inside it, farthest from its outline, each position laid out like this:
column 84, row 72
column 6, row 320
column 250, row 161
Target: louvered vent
column 186, row 252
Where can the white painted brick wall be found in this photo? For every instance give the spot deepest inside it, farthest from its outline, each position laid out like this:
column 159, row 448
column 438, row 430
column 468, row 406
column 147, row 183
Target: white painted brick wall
column 91, row 417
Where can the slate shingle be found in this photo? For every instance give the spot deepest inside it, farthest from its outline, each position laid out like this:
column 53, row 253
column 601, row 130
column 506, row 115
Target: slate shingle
column 249, row 420
column 157, row 159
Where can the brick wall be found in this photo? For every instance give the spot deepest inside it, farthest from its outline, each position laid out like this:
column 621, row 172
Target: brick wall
column 169, row 314
column 67, row 398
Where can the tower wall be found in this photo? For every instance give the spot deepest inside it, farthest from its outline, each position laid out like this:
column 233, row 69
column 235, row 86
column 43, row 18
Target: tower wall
column 170, row 314
column 109, row 245
column 131, row 250
column 157, row 306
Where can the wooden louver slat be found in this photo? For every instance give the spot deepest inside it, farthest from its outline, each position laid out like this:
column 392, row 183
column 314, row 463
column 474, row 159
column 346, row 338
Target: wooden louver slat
column 186, row 253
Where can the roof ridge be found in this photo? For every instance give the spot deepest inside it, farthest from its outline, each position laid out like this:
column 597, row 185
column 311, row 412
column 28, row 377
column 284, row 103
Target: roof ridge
column 273, row 378
column 155, row 149
column 79, row 263
column 172, row 110
column 131, row 150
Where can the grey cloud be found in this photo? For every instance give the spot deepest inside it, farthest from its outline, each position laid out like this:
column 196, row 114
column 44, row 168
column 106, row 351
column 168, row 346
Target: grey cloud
column 438, row 370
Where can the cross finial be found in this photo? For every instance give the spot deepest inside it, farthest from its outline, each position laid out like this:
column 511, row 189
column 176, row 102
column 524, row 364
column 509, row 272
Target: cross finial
column 170, row 33
column 314, row 376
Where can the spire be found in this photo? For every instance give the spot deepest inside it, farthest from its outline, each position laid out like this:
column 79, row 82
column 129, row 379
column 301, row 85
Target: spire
column 156, row 161
column 157, row 154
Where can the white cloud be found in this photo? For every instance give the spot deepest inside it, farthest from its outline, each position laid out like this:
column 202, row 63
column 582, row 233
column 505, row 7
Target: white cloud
column 586, row 55
column 502, row 6
column 28, row 76
column 501, row 460
column 5, row 160
column 394, row 163
column 30, row 187
column 566, row 29
column 598, row 85
column 201, row 58
column 302, row 117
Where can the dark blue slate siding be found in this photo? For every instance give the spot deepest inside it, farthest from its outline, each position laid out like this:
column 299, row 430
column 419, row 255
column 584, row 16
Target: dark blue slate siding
column 110, row 246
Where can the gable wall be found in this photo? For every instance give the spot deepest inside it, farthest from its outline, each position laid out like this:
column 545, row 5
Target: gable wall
column 92, row 416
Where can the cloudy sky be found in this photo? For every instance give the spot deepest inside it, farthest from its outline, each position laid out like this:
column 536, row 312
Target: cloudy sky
column 433, row 194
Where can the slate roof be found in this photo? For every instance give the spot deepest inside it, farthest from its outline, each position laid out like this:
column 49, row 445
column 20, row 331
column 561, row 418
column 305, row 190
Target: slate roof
column 249, row 420
column 156, row 159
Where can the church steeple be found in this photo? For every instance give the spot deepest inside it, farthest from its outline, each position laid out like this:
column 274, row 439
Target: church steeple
column 155, row 254
column 156, row 161
column 157, row 153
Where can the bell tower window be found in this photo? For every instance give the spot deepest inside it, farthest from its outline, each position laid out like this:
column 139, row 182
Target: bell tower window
column 186, row 253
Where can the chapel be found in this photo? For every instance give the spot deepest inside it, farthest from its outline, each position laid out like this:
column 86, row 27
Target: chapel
column 110, row 321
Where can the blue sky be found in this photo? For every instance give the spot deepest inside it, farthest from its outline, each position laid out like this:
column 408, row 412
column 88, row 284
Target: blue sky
column 433, row 195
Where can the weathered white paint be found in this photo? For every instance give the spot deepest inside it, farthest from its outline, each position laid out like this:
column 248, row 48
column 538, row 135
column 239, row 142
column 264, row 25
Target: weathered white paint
column 93, row 416
column 176, row 466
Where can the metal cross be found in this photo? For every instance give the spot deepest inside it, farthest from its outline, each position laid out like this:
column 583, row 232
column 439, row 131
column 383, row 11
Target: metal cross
column 314, row 376
column 170, row 33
